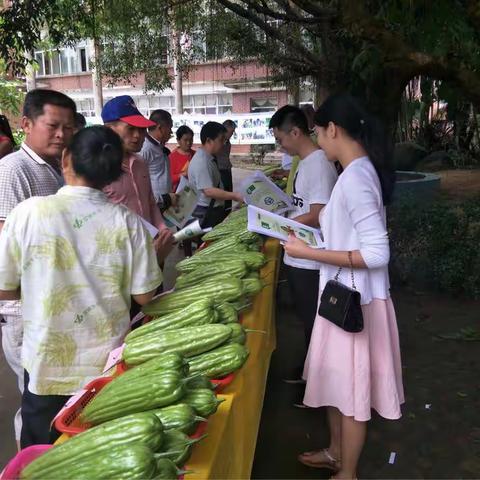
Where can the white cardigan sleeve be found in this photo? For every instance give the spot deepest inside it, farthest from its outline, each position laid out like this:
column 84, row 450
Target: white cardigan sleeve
column 363, row 199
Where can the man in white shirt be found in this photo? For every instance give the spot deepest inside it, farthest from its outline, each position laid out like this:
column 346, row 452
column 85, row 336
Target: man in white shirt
column 313, row 184
column 34, row 170
column 155, row 154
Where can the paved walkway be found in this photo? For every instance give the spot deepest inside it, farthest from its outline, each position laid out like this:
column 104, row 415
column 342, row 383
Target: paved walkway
column 439, row 433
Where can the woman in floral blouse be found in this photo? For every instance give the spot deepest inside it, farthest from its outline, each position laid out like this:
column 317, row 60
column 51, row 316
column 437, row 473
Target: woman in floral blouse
column 77, row 260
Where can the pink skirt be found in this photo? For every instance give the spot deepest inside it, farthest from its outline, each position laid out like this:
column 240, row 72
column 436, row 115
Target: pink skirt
column 356, row 372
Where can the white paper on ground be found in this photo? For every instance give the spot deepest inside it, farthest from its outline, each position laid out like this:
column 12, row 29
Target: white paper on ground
column 276, row 226
column 391, row 460
column 260, row 191
column 186, row 202
column 152, row 230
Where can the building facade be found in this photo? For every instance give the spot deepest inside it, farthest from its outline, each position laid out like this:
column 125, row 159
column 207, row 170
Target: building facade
column 216, row 88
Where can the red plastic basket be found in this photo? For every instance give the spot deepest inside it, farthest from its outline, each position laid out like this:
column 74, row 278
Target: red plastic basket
column 121, row 368
column 68, row 421
column 200, row 430
column 221, row 383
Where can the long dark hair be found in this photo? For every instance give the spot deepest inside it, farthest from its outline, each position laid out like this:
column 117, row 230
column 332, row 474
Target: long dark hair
column 348, row 113
column 6, row 130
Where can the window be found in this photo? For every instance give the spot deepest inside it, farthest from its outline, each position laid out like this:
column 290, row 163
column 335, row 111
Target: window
column 148, row 103
column 86, row 107
column 207, row 104
column 64, row 61
column 83, row 59
column 259, row 105
column 39, row 60
column 55, row 59
column 46, row 61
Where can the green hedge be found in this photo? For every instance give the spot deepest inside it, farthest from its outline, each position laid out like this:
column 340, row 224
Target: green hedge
column 436, row 245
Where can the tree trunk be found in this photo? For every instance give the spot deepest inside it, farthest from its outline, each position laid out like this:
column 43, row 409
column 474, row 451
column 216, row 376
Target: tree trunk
column 321, row 93
column 384, row 96
column 97, row 79
column 177, row 71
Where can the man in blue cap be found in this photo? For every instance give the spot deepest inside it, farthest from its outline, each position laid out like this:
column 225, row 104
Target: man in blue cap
column 134, row 189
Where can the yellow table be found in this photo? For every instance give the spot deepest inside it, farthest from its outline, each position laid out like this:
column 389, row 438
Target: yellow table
column 228, row 451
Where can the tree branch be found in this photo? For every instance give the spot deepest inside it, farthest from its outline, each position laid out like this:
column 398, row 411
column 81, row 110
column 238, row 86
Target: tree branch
column 270, row 31
column 401, row 57
column 288, row 16
column 314, row 9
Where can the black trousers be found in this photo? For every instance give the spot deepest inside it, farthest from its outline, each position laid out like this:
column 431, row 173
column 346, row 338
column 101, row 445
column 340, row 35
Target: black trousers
column 38, row 412
column 209, row 217
column 303, row 284
column 226, row 176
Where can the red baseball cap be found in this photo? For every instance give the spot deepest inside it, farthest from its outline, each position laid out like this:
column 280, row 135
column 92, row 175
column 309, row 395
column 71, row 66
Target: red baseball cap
column 123, row 108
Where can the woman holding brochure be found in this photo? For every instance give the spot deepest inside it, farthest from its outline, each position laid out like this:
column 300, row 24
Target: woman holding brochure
column 351, row 373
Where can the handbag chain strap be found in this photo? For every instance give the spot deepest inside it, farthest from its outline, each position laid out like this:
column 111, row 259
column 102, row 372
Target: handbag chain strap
column 351, row 270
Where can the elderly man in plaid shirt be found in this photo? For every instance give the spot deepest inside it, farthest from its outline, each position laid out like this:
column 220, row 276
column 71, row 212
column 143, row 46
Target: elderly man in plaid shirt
column 34, row 170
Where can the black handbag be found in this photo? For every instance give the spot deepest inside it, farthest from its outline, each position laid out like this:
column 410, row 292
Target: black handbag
column 341, row 304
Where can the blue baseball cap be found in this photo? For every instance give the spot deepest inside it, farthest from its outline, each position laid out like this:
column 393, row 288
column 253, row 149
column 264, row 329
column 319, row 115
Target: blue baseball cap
column 123, row 108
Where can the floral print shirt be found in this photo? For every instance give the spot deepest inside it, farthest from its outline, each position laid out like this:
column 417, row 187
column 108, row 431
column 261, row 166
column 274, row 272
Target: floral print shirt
column 77, row 258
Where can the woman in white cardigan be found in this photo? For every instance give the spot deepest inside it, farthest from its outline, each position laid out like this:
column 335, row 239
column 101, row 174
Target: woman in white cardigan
column 351, row 373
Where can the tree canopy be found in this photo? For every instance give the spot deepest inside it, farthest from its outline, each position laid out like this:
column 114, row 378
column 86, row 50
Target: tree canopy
column 370, row 47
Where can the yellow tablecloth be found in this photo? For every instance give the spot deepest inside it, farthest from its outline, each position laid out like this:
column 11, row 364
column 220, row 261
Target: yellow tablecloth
column 228, row 451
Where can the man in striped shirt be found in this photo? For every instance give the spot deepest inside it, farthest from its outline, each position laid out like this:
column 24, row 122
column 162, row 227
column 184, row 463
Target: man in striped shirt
column 34, row 170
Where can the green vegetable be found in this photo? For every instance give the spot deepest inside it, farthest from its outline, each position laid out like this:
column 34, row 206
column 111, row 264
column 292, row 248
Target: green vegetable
column 120, row 462
column 154, row 390
column 179, row 416
column 235, row 268
column 254, row 260
column 220, row 361
column 178, row 446
column 252, row 286
column 199, row 381
column 199, row 312
column 224, row 289
column 240, row 305
column 226, row 244
column 166, row 470
column 203, row 401
column 185, row 341
column 238, row 334
column 226, row 229
column 227, row 313
column 239, row 213
column 143, row 429
column 166, row 361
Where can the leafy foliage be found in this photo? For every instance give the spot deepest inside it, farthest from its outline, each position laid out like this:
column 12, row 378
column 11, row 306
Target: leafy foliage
column 373, row 48
column 438, row 240
column 11, row 96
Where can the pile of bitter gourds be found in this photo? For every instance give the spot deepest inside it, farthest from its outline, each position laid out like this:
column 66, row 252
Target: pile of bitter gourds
column 142, row 418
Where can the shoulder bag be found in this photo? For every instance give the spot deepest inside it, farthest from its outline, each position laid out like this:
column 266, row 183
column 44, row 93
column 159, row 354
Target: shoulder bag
column 341, row 304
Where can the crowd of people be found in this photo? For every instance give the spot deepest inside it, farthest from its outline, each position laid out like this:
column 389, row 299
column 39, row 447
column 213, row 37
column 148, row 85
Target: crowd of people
column 77, row 256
